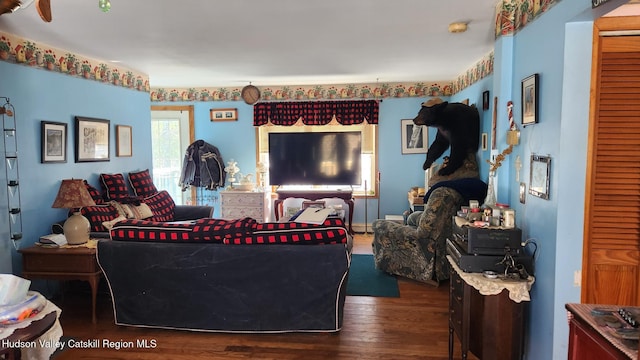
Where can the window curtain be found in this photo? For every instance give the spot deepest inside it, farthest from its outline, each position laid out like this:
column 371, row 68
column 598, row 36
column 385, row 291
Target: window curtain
column 315, row 112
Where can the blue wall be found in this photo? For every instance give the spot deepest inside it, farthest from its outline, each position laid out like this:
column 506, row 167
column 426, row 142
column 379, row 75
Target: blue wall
column 43, row 95
column 557, row 45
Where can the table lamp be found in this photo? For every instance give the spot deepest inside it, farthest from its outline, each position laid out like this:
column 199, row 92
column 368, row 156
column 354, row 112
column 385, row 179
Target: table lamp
column 73, row 194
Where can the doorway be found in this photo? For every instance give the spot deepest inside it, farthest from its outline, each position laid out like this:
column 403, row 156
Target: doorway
column 171, row 133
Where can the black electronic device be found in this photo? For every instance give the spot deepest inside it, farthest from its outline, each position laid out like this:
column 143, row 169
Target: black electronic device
column 315, row 158
column 480, row 263
column 486, row 240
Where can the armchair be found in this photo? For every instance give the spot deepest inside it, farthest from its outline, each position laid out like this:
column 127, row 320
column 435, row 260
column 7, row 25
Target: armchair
column 418, row 253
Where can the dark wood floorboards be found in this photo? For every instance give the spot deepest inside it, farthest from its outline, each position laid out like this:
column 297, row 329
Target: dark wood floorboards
column 413, row 326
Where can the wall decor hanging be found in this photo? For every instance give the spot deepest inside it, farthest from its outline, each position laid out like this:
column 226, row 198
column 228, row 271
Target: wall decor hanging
column 230, row 114
column 92, row 139
column 54, row 142
column 124, row 141
column 539, row 176
column 415, row 138
column 529, row 89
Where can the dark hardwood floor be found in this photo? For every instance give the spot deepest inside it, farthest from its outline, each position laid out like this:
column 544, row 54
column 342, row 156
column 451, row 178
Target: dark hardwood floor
column 413, row 326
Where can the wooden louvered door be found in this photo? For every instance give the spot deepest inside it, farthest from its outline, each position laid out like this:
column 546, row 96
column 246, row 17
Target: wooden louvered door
column 611, row 259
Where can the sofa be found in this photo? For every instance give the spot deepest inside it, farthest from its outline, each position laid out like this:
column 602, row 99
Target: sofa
column 236, row 276
column 419, row 253
column 139, row 199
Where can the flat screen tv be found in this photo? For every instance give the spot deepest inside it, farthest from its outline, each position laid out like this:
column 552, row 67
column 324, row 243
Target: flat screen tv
column 318, row 158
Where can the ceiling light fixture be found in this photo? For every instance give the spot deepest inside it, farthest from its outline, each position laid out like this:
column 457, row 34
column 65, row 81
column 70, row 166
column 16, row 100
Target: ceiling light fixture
column 104, row 5
column 457, row 27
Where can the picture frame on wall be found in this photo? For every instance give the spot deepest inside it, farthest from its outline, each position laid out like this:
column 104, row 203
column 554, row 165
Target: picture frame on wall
column 415, row 138
column 92, row 139
column 53, row 142
column 124, row 141
column 539, row 176
column 230, row 114
column 485, row 100
column 530, row 94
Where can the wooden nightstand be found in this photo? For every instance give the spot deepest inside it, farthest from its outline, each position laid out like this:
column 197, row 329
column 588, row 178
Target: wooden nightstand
column 78, row 263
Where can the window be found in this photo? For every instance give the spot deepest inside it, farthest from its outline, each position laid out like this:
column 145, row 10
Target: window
column 169, row 138
column 368, row 151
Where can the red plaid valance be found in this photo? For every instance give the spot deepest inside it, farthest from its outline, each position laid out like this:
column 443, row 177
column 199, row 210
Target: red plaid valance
column 315, row 112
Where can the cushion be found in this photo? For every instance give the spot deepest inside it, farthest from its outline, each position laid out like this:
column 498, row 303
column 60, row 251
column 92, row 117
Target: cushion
column 161, row 205
column 216, row 230
column 96, row 194
column 141, row 211
column 98, row 214
column 114, row 186
column 144, row 230
column 142, row 183
column 109, row 224
column 132, row 210
column 332, row 231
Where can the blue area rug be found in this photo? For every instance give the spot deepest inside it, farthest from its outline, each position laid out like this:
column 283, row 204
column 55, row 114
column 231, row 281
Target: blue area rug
column 366, row 280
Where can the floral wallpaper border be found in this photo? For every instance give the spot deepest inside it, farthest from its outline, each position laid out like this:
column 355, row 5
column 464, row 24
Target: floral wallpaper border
column 513, row 15
column 17, row 50
column 510, row 16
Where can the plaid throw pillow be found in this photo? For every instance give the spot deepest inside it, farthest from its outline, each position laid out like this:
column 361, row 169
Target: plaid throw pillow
column 114, row 186
column 161, row 205
column 142, row 183
column 99, row 214
column 96, row 195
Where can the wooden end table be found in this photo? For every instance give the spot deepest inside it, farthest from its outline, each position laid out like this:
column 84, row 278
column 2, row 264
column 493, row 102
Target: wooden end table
column 78, row 263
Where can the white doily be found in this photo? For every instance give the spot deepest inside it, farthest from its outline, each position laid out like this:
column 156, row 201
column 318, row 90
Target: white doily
column 518, row 289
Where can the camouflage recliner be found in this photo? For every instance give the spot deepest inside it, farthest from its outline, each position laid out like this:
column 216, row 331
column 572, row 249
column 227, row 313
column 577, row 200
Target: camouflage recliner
column 418, row 253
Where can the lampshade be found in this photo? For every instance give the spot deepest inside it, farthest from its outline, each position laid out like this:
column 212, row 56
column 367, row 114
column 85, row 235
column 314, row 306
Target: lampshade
column 73, row 194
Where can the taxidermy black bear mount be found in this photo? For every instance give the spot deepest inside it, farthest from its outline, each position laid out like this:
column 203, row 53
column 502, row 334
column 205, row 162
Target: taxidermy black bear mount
column 458, row 127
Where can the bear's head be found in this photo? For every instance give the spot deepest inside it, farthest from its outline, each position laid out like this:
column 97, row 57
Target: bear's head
column 430, row 112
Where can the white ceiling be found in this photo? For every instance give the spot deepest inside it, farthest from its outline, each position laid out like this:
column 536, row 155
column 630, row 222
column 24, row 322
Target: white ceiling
column 206, row 43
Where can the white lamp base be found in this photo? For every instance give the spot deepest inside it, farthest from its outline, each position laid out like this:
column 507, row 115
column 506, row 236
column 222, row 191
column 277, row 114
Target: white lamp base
column 77, row 229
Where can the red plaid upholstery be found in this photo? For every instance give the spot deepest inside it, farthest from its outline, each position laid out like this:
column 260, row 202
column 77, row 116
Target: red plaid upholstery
column 143, row 230
column 142, row 183
column 114, row 186
column 332, row 231
column 96, row 195
column 242, row 231
column 217, row 230
column 162, row 206
column 97, row 214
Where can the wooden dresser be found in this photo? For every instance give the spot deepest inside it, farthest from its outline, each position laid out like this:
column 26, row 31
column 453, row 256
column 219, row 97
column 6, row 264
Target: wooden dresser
column 241, row 204
column 484, row 315
column 590, row 341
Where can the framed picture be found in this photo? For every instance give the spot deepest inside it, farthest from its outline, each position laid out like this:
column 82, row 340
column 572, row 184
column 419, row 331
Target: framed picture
column 54, row 142
column 123, row 141
column 230, row 114
column 485, row 141
column 485, row 100
column 415, row 138
column 530, row 100
column 92, row 139
column 539, row 176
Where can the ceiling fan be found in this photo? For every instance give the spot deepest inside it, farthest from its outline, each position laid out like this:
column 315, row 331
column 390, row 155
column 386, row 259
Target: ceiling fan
column 43, row 7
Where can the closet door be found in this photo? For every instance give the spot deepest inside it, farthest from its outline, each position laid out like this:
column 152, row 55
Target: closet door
column 611, row 259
